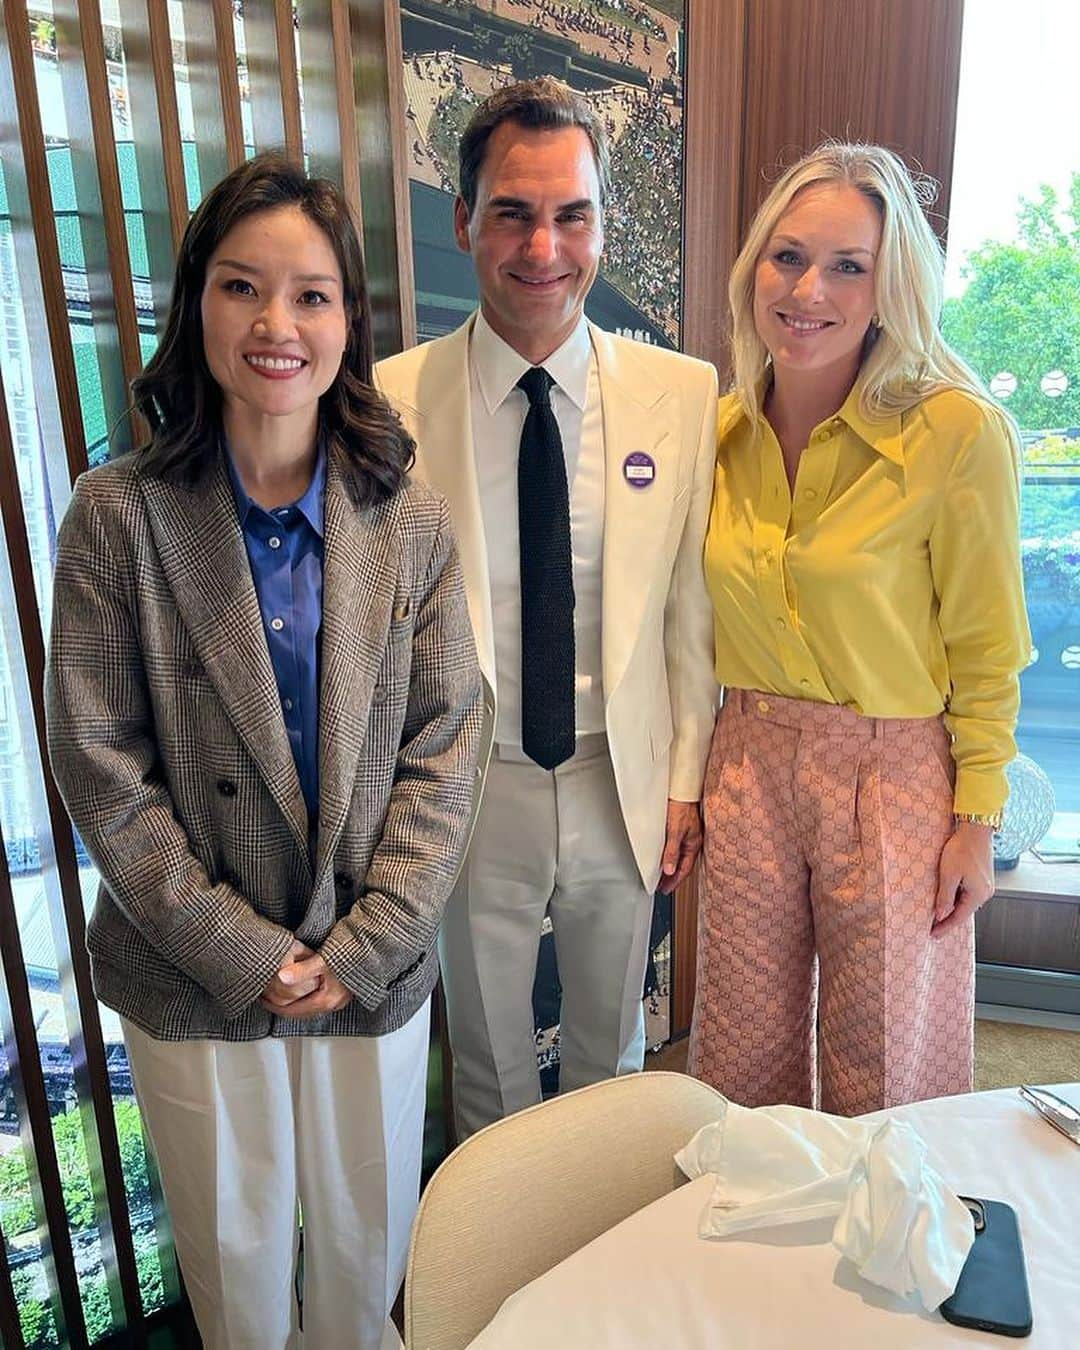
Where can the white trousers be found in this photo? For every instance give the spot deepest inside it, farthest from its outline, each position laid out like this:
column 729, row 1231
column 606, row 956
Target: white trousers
column 245, row 1132
column 550, row 842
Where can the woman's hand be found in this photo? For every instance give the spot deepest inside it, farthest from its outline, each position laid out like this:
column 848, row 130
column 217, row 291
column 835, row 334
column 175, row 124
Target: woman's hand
column 965, row 876
column 278, row 994
column 311, row 988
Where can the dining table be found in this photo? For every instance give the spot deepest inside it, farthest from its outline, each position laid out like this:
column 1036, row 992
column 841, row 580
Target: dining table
column 651, row 1283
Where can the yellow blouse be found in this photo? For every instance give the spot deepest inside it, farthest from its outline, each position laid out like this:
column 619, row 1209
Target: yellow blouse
column 889, row 581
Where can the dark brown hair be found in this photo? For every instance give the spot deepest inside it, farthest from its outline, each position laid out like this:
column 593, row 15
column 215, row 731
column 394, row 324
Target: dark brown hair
column 544, row 103
column 179, row 397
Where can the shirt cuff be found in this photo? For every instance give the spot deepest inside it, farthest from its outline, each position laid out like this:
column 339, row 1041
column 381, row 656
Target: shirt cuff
column 980, row 793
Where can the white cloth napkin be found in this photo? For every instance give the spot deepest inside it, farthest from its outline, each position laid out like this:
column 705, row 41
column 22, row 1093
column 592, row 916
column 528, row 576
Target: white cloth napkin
column 895, row 1217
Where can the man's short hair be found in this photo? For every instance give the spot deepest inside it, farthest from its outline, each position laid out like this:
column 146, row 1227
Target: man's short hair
column 543, row 103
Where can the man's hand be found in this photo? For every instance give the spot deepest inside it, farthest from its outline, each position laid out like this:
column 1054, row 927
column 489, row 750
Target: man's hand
column 278, row 994
column 965, row 876
column 682, row 843
column 320, row 989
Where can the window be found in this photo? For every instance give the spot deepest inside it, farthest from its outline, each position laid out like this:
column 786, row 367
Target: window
column 1013, row 310
column 178, row 93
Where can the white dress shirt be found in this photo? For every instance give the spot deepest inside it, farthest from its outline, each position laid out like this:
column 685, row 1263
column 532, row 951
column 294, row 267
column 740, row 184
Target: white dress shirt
column 498, row 414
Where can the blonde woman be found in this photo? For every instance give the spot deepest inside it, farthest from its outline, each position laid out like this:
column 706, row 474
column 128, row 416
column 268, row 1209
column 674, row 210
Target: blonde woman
column 863, row 561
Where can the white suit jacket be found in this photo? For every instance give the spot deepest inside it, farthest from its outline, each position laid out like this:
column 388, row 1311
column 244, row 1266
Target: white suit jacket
column 657, row 624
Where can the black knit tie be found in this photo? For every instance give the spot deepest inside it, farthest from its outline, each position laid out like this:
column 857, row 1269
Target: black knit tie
column 547, row 581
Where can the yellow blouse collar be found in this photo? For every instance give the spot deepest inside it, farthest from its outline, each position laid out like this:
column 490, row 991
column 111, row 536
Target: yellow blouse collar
column 884, row 435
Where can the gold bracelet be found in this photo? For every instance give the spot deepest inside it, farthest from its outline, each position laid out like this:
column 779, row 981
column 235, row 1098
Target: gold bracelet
column 994, row 818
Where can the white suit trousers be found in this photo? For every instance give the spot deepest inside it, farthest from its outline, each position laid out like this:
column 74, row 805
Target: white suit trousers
column 545, row 842
column 247, row 1132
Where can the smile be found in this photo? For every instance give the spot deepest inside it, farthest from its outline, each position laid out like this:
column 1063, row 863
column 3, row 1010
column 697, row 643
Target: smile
column 801, row 325
column 276, row 367
column 539, row 283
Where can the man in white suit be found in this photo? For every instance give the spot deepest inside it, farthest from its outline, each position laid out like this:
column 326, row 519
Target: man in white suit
column 578, row 467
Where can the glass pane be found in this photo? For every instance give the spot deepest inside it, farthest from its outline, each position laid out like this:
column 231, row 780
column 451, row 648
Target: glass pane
column 1013, row 310
column 23, row 817
column 20, row 809
column 66, row 211
column 129, row 178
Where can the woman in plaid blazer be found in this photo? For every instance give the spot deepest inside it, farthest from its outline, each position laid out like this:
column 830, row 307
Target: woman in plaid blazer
column 263, row 716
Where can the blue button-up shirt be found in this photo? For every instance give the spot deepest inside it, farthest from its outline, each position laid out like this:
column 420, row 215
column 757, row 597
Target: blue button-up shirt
column 285, row 550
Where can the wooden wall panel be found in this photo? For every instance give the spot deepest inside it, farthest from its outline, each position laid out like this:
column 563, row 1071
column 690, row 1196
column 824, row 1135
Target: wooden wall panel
column 871, row 70
column 715, row 78
column 769, row 79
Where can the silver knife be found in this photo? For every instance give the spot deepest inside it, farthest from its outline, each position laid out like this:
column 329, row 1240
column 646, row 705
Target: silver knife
column 1054, row 1109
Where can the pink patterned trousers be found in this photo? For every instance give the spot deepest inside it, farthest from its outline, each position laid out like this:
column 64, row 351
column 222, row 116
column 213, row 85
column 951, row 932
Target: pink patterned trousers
column 823, row 830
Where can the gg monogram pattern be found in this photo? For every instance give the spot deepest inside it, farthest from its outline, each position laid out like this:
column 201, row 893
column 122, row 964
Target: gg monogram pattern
column 818, row 982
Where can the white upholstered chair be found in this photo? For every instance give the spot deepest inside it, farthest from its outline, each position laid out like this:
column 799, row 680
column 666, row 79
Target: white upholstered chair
column 520, row 1196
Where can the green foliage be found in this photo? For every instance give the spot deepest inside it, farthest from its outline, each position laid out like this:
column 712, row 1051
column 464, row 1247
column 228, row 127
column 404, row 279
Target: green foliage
column 16, row 1204
column 1052, row 568
column 1021, row 309
column 1054, row 450
column 18, row 1218
column 35, row 1317
column 94, row 1294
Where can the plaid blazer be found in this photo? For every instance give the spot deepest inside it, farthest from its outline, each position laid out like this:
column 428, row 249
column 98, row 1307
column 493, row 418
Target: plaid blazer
column 169, row 748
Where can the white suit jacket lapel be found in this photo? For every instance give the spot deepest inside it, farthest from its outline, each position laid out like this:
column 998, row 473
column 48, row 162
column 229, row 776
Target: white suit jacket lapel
column 442, row 425
column 638, row 416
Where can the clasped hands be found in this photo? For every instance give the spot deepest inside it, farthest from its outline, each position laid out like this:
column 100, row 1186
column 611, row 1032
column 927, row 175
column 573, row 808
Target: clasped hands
column 304, row 986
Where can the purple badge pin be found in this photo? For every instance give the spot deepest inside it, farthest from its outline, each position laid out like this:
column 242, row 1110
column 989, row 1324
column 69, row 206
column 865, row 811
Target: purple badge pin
column 639, row 469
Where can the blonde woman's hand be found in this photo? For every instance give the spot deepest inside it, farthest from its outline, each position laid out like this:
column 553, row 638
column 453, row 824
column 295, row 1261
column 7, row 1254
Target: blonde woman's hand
column 965, row 876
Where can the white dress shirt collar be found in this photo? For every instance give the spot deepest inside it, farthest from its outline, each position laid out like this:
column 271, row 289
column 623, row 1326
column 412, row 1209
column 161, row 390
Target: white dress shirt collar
column 498, row 366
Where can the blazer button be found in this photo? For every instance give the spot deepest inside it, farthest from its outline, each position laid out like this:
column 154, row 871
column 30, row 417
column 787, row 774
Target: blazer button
column 343, row 880
column 379, row 695
column 226, row 787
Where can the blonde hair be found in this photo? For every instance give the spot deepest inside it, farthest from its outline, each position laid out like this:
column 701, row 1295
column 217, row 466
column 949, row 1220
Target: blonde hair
column 906, row 358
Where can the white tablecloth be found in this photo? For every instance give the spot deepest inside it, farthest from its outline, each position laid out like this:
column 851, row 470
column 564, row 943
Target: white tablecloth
column 652, row 1283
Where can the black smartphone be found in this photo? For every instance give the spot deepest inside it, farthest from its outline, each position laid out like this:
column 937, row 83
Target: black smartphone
column 992, row 1292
